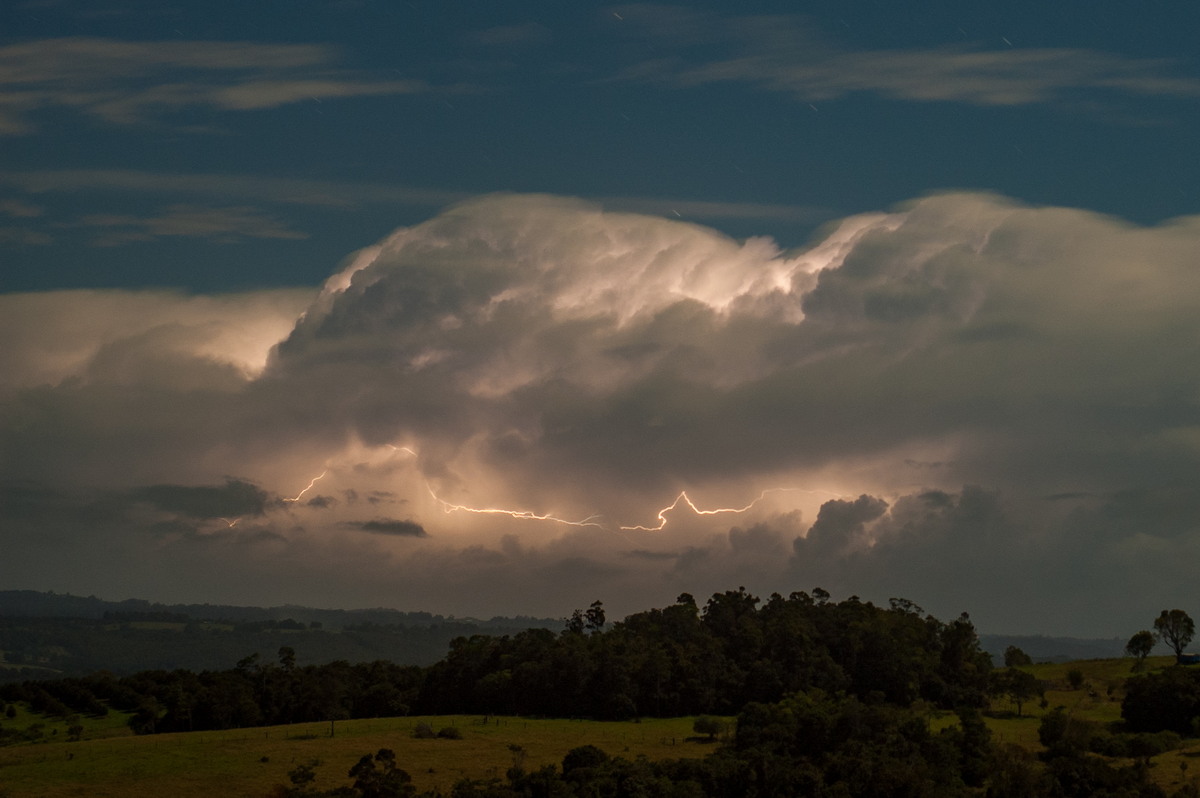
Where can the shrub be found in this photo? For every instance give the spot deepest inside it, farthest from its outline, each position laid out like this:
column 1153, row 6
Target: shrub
column 705, row 724
column 450, row 733
column 423, row 731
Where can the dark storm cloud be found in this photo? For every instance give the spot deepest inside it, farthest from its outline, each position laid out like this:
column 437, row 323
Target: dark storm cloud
column 840, row 526
column 390, row 526
column 236, row 497
column 541, row 358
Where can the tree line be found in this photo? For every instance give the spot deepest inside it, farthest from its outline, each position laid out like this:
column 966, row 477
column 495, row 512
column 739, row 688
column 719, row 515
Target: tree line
column 678, row 660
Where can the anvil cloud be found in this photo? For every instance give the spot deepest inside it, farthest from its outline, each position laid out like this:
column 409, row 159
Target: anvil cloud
column 952, row 401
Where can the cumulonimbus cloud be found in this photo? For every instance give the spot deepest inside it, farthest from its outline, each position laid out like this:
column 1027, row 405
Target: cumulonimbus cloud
column 961, row 377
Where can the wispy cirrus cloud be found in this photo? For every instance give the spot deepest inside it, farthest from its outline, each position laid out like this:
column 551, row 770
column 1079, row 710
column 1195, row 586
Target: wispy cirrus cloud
column 262, row 188
column 349, row 194
column 783, row 53
column 223, row 225
column 126, row 82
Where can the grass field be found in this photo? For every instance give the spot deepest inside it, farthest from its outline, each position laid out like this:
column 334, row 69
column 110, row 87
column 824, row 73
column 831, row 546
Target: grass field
column 1098, row 700
column 248, row 762
column 109, row 762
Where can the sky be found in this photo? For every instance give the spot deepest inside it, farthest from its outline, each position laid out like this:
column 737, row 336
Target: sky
column 502, row 308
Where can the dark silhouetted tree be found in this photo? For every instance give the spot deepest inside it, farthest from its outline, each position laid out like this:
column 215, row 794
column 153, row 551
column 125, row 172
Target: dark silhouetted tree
column 1020, row 686
column 382, row 781
column 1140, row 646
column 593, row 619
column 1015, row 658
column 1176, row 629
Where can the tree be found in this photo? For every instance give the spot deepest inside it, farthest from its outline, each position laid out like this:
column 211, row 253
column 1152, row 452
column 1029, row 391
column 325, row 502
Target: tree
column 1176, row 629
column 706, row 724
column 1015, row 657
column 594, row 617
column 1140, row 646
column 385, row 781
column 1020, row 686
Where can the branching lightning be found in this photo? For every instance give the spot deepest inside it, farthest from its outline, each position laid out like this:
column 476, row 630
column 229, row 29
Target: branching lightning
column 590, row 521
column 524, row 515
column 314, row 481
column 683, row 497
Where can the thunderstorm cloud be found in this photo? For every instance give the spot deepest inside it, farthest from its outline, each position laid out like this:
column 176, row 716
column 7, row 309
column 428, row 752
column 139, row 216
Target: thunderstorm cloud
column 973, row 403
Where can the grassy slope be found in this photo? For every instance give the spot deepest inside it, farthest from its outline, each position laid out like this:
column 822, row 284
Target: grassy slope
column 111, row 762
column 185, row 765
column 1098, row 700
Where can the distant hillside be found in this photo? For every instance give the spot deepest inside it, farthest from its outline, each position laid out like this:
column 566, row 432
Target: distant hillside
column 46, row 635
column 34, row 604
column 57, row 634
column 1052, row 649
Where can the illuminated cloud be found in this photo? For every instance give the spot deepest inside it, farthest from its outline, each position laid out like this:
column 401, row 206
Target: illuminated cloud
column 960, row 399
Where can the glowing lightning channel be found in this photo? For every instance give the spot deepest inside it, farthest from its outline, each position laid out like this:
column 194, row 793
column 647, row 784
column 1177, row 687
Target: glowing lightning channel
column 230, row 524
column 524, row 515
column 683, row 497
column 314, row 481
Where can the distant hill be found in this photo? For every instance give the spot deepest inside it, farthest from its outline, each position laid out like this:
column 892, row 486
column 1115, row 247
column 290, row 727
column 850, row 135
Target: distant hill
column 58, row 634
column 35, row 604
column 1052, row 649
column 51, row 634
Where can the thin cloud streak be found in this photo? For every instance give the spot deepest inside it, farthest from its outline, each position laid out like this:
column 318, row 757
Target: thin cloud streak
column 221, row 225
column 782, row 54
column 342, row 194
column 129, row 82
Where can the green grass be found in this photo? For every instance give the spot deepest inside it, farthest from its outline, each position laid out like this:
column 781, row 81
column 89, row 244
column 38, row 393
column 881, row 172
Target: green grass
column 248, row 762
column 1098, row 700
column 110, row 762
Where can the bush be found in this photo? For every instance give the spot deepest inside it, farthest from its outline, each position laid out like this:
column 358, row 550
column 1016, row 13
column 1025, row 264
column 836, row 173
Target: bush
column 423, row 731
column 1164, row 701
column 584, row 758
column 708, row 725
column 450, row 733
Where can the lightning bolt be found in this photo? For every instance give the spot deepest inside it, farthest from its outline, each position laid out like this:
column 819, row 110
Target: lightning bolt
column 590, row 521
column 314, row 481
column 524, row 515
column 230, row 524
column 683, row 497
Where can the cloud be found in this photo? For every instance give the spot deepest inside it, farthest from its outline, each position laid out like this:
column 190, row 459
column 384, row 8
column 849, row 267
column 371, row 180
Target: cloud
column 390, row 526
column 511, row 36
column 80, row 337
column 783, row 53
column 966, row 401
column 841, row 526
column 235, row 498
column 21, row 236
column 126, row 82
column 19, row 209
column 337, row 194
column 220, row 225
